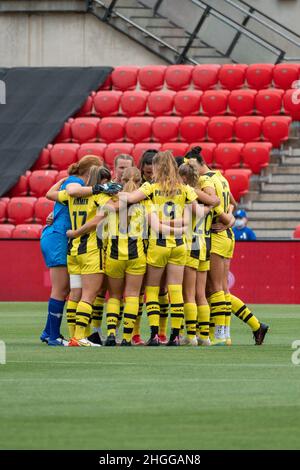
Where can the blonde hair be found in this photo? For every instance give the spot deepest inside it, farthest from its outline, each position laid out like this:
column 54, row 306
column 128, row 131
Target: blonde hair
column 166, row 172
column 131, row 179
column 97, row 174
column 82, row 167
column 190, row 171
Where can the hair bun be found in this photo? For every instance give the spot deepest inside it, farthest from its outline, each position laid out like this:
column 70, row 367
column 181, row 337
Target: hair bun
column 196, row 150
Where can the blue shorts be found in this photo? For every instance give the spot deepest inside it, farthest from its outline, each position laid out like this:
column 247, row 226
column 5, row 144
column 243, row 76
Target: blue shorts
column 54, row 247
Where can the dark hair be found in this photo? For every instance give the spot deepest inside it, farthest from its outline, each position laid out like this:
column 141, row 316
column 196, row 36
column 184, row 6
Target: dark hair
column 146, row 158
column 179, row 160
column 195, row 153
column 97, row 174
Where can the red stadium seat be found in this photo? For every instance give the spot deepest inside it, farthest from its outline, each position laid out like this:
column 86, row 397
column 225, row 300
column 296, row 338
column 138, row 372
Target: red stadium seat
column 228, row 155
column 269, row 102
column 241, row 102
column 160, row 103
column 107, row 103
column 60, row 175
column 178, row 149
column 139, row 149
column 27, row 231
column 152, row 77
column 238, row 180
column 291, row 103
column 21, row 187
column 207, row 150
column 43, row 161
column 124, row 78
column 220, row 128
column 84, row 129
column 20, row 210
column 134, row 103
column 232, row 76
column 42, row 209
column 41, row 181
column 256, row 155
column 6, row 230
column 187, row 102
column 112, row 129
column 3, row 211
column 65, row 134
column 165, row 129
column 296, row 233
column 113, row 150
column 205, row 76
column 248, row 128
column 214, row 102
column 178, row 77
column 91, row 149
column 87, row 108
column 193, row 128
column 276, row 129
column 259, row 76
column 284, row 75
column 138, row 129
column 63, row 155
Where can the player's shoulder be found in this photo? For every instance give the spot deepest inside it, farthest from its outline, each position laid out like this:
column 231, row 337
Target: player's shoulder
column 72, row 179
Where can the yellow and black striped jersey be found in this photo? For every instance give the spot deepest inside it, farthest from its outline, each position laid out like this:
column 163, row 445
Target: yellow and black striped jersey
column 81, row 210
column 168, row 208
column 127, row 231
column 223, row 192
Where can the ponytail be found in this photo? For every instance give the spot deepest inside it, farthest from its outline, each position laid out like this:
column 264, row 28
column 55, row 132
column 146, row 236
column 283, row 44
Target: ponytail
column 80, row 168
column 131, row 179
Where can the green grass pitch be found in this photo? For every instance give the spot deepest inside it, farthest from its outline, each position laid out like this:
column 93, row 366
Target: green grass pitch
column 239, row 397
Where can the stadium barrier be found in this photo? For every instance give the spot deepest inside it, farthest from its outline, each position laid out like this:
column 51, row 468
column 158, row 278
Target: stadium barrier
column 261, row 272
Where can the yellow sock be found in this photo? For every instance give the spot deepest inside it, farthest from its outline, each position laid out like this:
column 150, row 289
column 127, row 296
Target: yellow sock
column 190, row 316
column 97, row 315
column 181, row 332
column 71, row 316
column 203, row 320
column 244, row 313
column 164, row 312
column 83, row 315
column 120, row 313
column 152, row 307
column 137, row 325
column 131, row 309
column 176, row 307
column 112, row 315
column 227, row 315
column 218, row 307
column 88, row 328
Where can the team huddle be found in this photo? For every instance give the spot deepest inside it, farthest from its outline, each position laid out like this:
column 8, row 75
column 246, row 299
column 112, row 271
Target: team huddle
column 157, row 236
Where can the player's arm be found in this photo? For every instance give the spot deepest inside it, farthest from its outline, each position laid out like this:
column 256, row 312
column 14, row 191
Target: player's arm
column 53, row 193
column 91, row 225
column 209, row 198
column 165, row 228
column 77, row 190
column 233, row 202
column 132, row 198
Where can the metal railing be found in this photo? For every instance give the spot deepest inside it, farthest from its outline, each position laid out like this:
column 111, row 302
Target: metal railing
column 110, row 10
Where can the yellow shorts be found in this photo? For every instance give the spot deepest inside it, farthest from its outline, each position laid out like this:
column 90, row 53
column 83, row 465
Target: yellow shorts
column 197, row 264
column 116, row 268
column 88, row 263
column 160, row 256
column 222, row 245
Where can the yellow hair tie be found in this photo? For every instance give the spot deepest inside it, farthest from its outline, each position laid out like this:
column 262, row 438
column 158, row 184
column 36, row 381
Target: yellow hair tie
column 186, row 160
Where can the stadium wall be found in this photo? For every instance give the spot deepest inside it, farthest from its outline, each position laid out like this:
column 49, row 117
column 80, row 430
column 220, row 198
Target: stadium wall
column 66, row 39
column 261, row 272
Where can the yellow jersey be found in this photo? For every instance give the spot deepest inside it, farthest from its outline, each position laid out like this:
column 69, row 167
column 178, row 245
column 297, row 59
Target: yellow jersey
column 127, row 232
column 82, row 210
column 168, row 208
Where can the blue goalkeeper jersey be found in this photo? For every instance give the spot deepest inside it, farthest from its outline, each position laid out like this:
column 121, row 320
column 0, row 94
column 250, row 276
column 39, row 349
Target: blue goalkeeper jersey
column 61, row 222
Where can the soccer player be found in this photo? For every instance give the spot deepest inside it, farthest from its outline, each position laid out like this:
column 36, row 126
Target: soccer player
column 54, row 248
column 145, row 165
column 85, row 252
column 222, row 244
column 169, row 195
column 122, row 162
